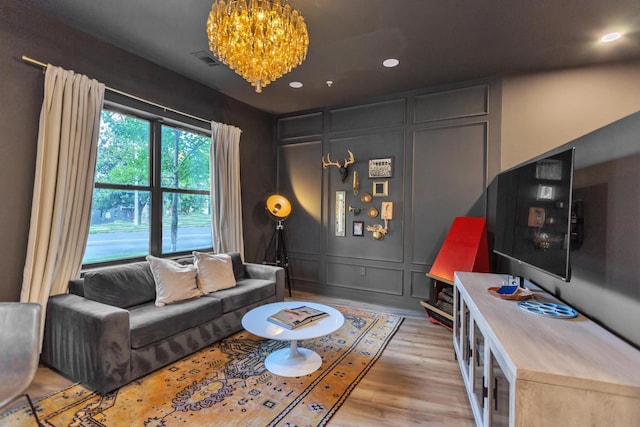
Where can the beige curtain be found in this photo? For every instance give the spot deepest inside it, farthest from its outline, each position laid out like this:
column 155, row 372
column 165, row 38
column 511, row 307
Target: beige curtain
column 63, row 184
column 226, row 200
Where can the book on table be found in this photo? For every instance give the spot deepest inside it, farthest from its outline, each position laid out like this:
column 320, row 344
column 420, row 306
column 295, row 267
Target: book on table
column 292, row 318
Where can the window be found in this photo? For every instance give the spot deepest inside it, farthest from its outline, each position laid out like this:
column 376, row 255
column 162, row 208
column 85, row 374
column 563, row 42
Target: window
column 151, row 193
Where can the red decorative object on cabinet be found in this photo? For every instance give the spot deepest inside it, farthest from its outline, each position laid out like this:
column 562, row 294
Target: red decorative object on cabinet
column 464, row 249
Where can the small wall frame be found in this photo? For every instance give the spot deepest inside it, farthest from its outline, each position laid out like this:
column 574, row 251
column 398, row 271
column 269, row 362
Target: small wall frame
column 358, row 228
column 380, row 188
column 545, row 192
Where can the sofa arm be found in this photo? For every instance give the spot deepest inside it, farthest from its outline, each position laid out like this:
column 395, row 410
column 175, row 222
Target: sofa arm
column 88, row 341
column 268, row 272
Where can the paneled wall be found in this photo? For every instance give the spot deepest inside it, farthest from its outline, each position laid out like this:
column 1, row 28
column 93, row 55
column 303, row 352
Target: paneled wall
column 443, row 152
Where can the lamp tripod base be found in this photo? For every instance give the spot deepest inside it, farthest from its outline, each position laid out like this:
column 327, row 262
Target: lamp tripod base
column 277, row 242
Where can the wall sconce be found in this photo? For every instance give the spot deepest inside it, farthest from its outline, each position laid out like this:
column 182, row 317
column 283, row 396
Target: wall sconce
column 356, row 183
column 378, row 231
column 356, row 211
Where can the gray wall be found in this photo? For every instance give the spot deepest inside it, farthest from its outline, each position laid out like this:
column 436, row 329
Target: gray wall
column 24, row 31
column 444, row 143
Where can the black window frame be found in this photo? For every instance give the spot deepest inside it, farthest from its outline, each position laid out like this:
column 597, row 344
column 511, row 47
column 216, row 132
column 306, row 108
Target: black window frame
column 156, row 191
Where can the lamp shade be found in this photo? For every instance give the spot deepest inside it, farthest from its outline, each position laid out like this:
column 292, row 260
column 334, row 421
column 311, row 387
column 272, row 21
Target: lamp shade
column 278, row 206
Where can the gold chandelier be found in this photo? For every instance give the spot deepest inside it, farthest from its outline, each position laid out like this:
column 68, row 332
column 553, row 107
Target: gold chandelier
column 259, row 39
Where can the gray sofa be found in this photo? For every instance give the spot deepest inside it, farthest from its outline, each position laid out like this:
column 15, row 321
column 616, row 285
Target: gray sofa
column 107, row 330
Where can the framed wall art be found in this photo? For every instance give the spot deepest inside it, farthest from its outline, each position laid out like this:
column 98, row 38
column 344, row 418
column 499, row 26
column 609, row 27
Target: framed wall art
column 341, row 201
column 358, row 228
column 549, row 169
column 380, row 188
column 380, row 168
column 545, row 192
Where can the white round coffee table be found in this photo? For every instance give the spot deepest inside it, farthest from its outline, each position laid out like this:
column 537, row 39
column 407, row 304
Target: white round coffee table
column 292, row 361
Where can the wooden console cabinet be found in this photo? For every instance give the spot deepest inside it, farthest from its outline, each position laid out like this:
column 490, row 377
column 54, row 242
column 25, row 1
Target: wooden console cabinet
column 523, row 369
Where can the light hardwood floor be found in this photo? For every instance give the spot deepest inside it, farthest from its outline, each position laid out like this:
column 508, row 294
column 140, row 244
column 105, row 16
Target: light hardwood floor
column 416, row 381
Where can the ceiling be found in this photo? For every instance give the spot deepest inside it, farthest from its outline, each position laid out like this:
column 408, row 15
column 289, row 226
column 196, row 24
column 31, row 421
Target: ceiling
column 437, row 42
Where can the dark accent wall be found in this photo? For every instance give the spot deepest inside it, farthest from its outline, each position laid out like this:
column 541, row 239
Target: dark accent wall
column 444, row 145
column 25, row 31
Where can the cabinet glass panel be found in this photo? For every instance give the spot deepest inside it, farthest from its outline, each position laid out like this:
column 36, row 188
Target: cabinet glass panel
column 466, row 338
column 456, row 315
column 499, row 395
column 478, row 365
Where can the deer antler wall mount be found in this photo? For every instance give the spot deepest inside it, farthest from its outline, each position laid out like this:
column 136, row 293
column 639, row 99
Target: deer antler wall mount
column 342, row 168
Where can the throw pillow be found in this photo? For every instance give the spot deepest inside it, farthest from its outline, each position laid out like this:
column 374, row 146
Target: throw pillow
column 174, row 282
column 214, row 272
column 122, row 286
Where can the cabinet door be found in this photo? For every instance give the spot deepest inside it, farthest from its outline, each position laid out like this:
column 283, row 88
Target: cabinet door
column 500, row 395
column 457, row 324
column 478, row 366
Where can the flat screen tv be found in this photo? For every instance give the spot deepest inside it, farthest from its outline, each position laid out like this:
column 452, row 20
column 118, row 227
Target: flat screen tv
column 606, row 200
column 533, row 213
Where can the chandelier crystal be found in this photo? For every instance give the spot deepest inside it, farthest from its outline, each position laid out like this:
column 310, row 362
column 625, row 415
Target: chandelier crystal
column 261, row 40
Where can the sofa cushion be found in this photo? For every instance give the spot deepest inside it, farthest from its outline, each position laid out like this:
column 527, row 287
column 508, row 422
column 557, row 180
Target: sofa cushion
column 76, row 287
column 213, row 272
column 174, row 282
column 246, row 292
column 239, row 271
column 120, row 286
column 184, row 260
column 149, row 323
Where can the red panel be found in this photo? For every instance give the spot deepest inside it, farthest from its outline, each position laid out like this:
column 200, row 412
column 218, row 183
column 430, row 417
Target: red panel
column 464, row 249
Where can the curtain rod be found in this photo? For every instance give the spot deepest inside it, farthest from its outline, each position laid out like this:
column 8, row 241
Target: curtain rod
column 119, row 92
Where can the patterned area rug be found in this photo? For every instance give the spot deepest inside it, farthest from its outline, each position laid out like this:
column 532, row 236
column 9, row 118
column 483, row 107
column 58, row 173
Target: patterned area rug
column 227, row 384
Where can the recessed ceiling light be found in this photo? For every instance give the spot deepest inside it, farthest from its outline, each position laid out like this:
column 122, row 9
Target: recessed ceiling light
column 390, row 63
column 296, row 85
column 611, row 37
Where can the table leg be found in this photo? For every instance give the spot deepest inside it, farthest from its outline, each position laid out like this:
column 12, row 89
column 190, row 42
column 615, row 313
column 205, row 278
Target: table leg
column 293, row 352
column 293, row 361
